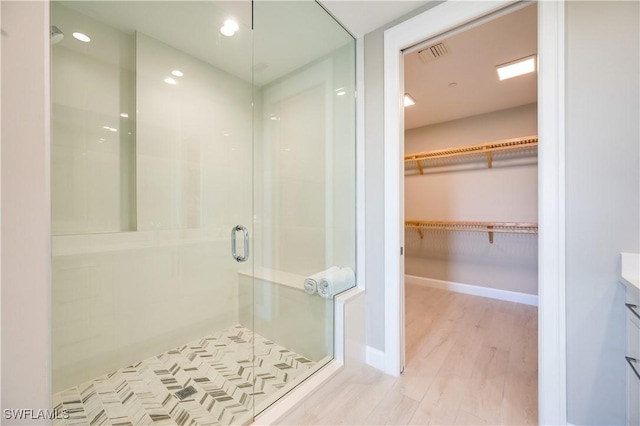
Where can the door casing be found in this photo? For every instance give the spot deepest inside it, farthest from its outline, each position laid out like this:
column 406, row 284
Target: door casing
column 551, row 246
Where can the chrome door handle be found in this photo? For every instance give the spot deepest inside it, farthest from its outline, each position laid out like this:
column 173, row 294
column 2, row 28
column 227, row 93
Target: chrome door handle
column 245, row 233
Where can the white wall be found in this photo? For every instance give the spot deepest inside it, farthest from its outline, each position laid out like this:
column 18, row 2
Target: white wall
column 374, row 179
column 374, row 184
column 296, row 144
column 194, row 142
column 602, row 200
column 92, row 179
column 471, row 191
column 25, row 207
column 305, row 174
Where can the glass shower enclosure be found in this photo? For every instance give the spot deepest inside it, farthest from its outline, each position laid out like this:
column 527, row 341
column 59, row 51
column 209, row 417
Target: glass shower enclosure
column 203, row 173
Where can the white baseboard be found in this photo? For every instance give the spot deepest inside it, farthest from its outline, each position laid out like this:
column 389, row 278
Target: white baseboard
column 376, row 358
column 492, row 293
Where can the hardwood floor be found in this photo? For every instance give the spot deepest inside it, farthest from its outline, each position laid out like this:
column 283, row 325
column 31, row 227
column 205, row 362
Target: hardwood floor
column 469, row 361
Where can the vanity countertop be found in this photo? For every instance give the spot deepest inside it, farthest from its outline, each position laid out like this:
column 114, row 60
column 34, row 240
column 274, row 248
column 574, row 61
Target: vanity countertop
column 630, row 269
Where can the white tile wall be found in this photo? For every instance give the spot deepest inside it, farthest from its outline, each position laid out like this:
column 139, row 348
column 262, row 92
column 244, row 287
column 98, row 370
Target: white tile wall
column 194, row 141
column 92, row 176
column 123, row 302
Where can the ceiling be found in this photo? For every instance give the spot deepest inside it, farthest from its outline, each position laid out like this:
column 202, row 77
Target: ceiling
column 470, row 64
column 465, row 82
column 363, row 16
column 260, row 56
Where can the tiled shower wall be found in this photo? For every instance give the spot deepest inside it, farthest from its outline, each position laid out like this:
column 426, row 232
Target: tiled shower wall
column 93, row 148
column 120, row 298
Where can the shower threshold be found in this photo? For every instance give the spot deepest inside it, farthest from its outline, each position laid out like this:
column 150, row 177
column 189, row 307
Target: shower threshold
column 216, row 380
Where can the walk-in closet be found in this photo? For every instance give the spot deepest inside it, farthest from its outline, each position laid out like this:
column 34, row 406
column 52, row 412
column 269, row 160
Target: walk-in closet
column 471, row 221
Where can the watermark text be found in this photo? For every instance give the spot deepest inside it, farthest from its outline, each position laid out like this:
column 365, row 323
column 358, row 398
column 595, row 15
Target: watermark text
column 34, row 414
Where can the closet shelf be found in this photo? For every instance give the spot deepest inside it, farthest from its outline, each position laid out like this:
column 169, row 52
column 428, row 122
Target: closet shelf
column 489, row 227
column 484, row 148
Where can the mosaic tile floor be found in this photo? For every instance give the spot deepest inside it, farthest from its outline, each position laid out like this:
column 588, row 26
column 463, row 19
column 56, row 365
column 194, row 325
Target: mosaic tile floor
column 219, row 368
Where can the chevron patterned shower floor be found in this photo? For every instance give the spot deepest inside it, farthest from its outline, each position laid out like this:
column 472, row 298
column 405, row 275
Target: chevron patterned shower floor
column 228, row 371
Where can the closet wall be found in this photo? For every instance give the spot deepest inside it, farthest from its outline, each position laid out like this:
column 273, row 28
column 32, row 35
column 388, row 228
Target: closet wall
column 470, row 191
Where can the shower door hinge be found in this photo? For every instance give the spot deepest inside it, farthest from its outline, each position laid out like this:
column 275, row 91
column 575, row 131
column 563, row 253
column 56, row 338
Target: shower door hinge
column 401, row 250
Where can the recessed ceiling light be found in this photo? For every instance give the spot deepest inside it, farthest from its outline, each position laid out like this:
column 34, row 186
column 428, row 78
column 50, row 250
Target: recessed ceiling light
column 227, row 31
column 177, row 73
column 229, row 28
column 408, row 100
column 82, row 37
column 124, row 115
column 516, row 68
column 232, row 24
column 170, row 80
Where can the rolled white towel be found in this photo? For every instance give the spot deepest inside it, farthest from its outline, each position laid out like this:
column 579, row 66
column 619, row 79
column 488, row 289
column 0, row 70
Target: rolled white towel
column 311, row 283
column 336, row 282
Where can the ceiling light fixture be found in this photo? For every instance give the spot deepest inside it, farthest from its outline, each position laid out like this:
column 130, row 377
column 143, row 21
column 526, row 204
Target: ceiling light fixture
column 124, row 115
column 177, row 73
column 170, row 80
column 82, row 37
column 229, row 28
column 517, row 67
column 408, row 100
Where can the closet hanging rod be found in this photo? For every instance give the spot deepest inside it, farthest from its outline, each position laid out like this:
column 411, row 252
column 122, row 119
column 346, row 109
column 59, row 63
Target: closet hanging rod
column 484, row 148
column 489, row 227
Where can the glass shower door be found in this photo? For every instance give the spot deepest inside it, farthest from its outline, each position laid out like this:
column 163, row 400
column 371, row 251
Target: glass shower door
column 304, row 190
column 152, row 180
column 203, row 177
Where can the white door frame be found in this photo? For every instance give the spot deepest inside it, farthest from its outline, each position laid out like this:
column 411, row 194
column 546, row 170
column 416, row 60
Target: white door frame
column 551, row 242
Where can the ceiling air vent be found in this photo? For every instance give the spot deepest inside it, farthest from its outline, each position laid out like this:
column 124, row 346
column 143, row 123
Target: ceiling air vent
column 433, row 52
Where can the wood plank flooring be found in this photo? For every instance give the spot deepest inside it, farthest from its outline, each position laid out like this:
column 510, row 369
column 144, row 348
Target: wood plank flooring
column 469, row 361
